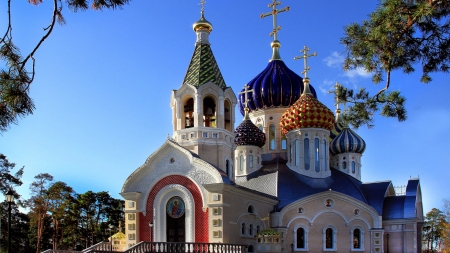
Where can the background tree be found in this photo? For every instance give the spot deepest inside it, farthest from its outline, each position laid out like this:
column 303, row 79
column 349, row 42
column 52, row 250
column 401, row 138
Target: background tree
column 39, row 205
column 18, row 72
column 60, row 196
column 9, row 181
column 399, row 35
column 434, row 230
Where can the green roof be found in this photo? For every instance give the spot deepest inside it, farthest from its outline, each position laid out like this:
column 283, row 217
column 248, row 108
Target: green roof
column 203, row 68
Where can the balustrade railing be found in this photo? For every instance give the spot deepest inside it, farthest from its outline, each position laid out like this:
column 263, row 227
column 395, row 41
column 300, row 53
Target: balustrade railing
column 185, row 247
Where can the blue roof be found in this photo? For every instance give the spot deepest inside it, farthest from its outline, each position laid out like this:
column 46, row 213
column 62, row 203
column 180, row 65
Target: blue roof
column 375, row 193
column 404, row 206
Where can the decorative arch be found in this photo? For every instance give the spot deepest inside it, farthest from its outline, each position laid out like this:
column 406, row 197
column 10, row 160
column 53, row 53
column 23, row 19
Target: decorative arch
column 162, row 191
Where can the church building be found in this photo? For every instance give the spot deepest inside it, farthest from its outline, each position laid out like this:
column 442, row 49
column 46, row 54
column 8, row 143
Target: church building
column 286, row 179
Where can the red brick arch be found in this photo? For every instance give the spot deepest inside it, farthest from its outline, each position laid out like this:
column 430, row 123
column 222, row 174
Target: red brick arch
column 201, row 218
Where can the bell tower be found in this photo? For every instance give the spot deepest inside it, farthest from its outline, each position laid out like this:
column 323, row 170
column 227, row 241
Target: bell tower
column 203, row 107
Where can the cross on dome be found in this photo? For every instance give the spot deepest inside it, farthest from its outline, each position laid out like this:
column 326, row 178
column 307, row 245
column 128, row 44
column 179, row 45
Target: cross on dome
column 305, row 56
column 245, row 95
column 274, row 14
column 246, row 100
column 202, row 3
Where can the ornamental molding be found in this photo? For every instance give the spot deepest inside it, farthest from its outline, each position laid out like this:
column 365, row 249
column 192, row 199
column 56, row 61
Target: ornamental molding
column 170, row 159
column 210, row 88
column 229, row 94
column 335, row 196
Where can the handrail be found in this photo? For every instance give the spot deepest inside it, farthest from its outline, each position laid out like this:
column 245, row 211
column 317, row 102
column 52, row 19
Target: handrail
column 186, row 247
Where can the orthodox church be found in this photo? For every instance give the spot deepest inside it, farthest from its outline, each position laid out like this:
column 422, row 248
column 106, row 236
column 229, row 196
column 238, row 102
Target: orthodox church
column 287, row 179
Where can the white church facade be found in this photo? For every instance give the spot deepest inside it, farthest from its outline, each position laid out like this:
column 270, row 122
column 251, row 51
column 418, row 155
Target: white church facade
column 291, row 170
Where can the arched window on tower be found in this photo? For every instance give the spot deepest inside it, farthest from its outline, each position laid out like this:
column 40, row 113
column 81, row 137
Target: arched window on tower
column 241, row 162
column 227, row 168
column 344, row 165
column 306, row 153
column 250, row 229
column 272, row 137
column 228, row 115
column 291, row 154
column 209, row 112
column 243, row 229
column 325, row 152
column 250, row 161
column 316, row 155
column 353, row 167
column 297, row 153
column 283, row 141
column 189, row 113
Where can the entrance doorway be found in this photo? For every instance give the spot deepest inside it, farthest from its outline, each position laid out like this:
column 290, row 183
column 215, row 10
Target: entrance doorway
column 175, row 220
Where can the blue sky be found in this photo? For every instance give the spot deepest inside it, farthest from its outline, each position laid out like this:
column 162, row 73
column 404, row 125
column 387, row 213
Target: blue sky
column 103, row 83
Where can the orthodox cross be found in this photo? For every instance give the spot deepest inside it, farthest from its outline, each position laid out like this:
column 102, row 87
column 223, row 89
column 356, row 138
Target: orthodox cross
column 245, row 95
column 305, row 56
column 274, row 14
column 202, row 3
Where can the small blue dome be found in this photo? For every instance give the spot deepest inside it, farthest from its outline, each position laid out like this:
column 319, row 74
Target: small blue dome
column 247, row 134
column 275, row 86
column 347, row 142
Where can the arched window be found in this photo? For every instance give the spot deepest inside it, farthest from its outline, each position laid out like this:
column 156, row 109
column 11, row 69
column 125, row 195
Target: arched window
column 228, row 116
column 325, row 151
column 272, row 137
column 241, row 163
column 258, row 229
column 353, row 167
column 283, row 141
column 297, row 153
column 257, row 159
column 209, row 112
column 227, row 168
column 306, row 153
column 329, row 238
column 300, row 238
column 290, row 153
column 189, row 113
column 250, row 209
column 316, row 155
column 357, row 237
column 243, row 229
column 250, row 161
column 344, row 165
column 250, row 229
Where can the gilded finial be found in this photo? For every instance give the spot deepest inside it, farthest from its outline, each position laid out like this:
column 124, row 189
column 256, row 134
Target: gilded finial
column 246, row 109
column 305, row 56
column 274, row 13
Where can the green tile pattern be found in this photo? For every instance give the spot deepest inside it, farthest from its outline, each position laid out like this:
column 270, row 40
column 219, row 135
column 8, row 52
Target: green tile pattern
column 203, row 68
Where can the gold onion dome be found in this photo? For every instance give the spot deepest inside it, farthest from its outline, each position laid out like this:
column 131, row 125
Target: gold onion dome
column 307, row 112
column 202, row 24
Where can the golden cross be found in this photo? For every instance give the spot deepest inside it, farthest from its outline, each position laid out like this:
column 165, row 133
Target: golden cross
column 305, row 56
column 274, row 14
column 202, row 3
column 245, row 94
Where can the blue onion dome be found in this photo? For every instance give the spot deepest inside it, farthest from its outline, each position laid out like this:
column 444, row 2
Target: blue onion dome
column 275, row 86
column 338, row 126
column 347, row 142
column 247, row 134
